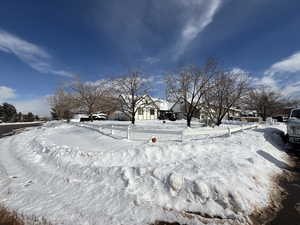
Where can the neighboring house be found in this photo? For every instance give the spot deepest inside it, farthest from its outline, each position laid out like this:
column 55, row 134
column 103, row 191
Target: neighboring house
column 249, row 113
column 147, row 109
column 234, row 112
column 179, row 108
column 165, row 111
column 155, row 108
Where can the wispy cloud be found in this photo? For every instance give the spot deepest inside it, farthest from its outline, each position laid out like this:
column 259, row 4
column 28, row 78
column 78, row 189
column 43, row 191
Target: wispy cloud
column 283, row 76
column 290, row 65
column 6, row 93
column 31, row 54
column 197, row 20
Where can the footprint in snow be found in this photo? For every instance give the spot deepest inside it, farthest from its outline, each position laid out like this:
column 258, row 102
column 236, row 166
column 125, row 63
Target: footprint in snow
column 28, row 183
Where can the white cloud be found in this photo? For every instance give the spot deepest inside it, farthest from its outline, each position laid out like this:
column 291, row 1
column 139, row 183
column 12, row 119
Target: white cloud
column 283, row 76
column 151, row 60
column 6, row 93
column 196, row 22
column 266, row 81
column 237, row 70
column 290, row 64
column 38, row 106
column 292, row 89
column 31, row 54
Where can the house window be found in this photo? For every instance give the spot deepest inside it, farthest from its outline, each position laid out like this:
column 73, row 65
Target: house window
column 152, row 112
column 140, row 111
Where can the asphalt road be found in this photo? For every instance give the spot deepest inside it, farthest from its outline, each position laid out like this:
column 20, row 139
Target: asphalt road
column 290, row 212
column 10, row 129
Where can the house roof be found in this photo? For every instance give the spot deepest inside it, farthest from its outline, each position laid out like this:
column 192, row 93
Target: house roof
column 142, row 103
column 163, row 104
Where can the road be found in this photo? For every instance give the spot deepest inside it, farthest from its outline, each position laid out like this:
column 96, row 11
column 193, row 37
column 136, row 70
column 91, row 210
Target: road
column 290, row 213
column 9, row 129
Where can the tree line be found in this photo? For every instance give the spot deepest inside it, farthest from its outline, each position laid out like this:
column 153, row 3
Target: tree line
column 8, row 113
column 207, row 89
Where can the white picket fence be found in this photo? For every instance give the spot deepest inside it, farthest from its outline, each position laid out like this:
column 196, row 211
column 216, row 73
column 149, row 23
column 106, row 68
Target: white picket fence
column 216, row 132
column 123, row 131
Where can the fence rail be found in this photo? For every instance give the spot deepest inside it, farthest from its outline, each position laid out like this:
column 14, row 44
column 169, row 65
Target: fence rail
column 120, row 131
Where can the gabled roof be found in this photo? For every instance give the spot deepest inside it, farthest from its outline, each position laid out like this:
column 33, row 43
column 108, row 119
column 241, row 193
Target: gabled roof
column 163, row 104
column 152, row 102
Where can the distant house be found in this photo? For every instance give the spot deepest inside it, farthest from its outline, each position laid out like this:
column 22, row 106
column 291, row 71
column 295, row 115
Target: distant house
column 179, row 108
column 165, row 112
column 233, row 112
column 155, row 108
column 147, row 109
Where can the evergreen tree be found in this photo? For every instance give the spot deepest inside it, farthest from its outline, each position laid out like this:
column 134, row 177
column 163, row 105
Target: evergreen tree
column 8, row 112
column 30, row 117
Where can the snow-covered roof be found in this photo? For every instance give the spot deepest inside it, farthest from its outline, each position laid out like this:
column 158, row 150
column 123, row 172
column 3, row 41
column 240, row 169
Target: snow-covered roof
column 163, row 104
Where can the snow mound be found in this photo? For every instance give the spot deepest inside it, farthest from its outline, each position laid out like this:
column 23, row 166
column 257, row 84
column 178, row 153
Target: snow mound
column 75, row 175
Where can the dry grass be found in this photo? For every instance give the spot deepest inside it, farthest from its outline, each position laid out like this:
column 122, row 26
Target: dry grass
column 8, row 217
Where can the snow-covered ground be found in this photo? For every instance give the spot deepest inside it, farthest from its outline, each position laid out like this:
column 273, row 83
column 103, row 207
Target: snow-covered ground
column 82, row 175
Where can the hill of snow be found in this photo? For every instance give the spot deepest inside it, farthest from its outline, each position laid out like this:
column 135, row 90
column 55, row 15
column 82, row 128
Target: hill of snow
column 76, row 175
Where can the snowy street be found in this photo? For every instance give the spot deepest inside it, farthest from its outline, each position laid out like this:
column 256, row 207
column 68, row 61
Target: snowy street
column 9, row 128
column 72, row 174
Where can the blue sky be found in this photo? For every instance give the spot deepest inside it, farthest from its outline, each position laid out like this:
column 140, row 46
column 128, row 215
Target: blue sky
column 43, row 44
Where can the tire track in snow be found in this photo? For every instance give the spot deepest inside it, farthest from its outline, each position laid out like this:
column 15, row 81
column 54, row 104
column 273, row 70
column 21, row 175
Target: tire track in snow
column 47, row 181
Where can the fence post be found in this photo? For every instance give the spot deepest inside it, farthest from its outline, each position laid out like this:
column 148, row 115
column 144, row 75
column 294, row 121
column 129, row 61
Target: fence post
column 229, row 132
column 128, row 132
column 112, row 129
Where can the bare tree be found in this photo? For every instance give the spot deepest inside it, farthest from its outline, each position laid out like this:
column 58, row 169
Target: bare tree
column 225, row 92
column 189, row 86
column 132, row 89
column 61, row 104
column 266, row 102
column 91, row 97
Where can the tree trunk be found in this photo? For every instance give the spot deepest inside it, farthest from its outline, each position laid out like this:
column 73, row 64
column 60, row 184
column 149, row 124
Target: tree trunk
column 188, row 121
column 264, row 115
column 132, row 118
column 219, row 122
column 91, row 117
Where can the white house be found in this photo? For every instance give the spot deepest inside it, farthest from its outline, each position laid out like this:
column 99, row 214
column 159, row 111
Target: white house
column 147, row 109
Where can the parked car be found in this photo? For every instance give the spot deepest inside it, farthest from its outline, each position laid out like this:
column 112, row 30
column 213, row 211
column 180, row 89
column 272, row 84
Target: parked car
column 96, row 116
column 167, row 116
column 280, row 118
column 293, row 127
column 99, row 116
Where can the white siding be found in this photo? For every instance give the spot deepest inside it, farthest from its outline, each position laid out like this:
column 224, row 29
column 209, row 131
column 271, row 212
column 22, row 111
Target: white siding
column 146, row 114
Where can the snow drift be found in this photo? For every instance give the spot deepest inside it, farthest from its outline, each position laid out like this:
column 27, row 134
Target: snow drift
column 74, row 175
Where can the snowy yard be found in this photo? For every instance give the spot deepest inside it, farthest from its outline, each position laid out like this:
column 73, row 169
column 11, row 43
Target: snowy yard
column 82, row 174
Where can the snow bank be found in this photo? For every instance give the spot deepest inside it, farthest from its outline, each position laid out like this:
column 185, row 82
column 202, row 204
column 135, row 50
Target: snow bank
column 75, row 175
